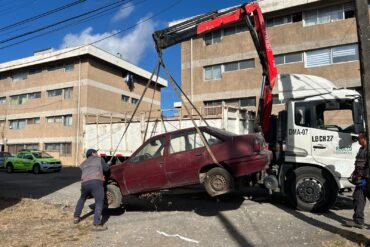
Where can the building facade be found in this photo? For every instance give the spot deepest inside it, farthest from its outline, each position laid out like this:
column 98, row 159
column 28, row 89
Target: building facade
column 314, row 37
column 47, row 99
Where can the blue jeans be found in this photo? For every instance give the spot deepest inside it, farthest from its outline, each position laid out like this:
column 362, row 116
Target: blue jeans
column 96, row 189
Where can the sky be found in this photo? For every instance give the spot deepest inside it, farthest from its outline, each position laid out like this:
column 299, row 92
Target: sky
column 25, row 28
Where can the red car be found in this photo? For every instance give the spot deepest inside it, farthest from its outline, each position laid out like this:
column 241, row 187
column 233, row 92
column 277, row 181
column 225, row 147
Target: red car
column 180, row 158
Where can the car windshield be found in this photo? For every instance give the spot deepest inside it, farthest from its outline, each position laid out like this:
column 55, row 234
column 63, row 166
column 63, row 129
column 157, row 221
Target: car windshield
column 40, row 155
column 222, row 132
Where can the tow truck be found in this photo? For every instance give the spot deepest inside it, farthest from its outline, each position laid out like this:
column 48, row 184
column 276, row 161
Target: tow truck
column 313, row 153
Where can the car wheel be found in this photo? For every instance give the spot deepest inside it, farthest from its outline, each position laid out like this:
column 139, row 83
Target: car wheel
column 218, row 181
column 114, row 196
column 9, row 168
column 36, row 169
column 311, row 189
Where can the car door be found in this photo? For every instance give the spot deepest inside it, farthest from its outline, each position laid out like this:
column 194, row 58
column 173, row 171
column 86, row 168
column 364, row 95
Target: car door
column 186, row 154
column 145, row 170
column 28, row 161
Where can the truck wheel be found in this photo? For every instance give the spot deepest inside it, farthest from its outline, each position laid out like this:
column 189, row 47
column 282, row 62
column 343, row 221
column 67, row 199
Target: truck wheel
column 9, row 168
column 114, row 196
column 218, row 181
column 311, row 189
column 36, row 169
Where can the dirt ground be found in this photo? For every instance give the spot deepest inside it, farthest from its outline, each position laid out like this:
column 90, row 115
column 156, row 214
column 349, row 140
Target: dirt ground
column 29, row 222
column 40, row 214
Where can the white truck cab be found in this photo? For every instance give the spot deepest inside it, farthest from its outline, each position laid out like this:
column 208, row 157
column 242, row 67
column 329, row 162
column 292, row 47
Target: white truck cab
column 319, row 130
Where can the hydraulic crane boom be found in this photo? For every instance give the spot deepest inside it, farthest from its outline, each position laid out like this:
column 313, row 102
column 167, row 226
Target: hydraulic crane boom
column 216, row 20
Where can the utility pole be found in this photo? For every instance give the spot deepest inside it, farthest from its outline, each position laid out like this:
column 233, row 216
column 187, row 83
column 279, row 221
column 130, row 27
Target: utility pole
column 363, row 34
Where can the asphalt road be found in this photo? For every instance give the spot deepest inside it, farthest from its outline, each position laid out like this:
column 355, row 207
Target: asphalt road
column 189, row 217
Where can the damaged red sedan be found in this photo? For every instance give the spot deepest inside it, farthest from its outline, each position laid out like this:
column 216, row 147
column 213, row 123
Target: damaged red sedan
column 180, row 158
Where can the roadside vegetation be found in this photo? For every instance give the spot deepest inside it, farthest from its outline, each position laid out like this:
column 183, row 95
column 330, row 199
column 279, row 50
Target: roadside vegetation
column 28, row 222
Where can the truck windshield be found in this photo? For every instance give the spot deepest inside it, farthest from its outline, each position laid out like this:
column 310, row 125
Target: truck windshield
column 40, row 155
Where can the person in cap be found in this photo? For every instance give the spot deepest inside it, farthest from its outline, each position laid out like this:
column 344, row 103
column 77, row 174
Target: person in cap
column 92, row 183
column 360, row 178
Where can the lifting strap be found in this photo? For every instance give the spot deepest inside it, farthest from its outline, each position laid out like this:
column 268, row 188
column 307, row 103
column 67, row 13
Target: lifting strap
column 200, row 133
column 151, row 105
column 137, row 106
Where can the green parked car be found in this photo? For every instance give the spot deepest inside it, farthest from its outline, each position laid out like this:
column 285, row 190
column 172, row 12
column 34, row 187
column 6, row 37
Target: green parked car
column 32, row 160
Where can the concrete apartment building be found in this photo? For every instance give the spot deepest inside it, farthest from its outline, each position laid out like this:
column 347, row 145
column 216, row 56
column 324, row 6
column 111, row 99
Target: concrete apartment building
column 307, row 37
column 46, row 99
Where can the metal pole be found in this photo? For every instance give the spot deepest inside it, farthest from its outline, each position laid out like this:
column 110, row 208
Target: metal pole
column 363, row 34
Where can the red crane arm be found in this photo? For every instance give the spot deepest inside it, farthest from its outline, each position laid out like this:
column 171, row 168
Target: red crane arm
column 216, row 20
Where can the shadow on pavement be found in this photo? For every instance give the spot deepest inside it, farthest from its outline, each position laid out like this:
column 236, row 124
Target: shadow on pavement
column 347, row 234
column 20, row 185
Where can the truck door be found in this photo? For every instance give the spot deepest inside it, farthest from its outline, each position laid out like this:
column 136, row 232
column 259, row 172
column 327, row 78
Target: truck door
column 333, row 138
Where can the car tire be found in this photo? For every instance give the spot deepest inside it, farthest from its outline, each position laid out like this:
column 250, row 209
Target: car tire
column 114, row 196
column 36, row 169
column 9, row 168
column 218, row 181
column 311, row 189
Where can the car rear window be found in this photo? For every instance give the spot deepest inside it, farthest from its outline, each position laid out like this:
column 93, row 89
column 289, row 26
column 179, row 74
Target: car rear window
column 222, row 132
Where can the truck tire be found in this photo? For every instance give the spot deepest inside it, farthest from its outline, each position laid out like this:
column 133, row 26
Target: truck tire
column 218, row 181
column 114, row 196
column 311, row 189
column 9, row 168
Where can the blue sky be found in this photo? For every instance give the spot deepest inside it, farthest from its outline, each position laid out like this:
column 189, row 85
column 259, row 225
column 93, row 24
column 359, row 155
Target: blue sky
column 134, row 43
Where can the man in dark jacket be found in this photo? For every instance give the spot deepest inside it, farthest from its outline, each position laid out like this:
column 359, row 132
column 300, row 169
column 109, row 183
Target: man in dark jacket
column 360, row 177
column 92, row 183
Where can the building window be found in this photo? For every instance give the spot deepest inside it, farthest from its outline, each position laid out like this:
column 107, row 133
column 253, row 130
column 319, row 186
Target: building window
column 62, row 148
column 212, row 37
column 20, row 76
column 53, row 67
column 296, row 17
column 35, row 120
column 23, row 98
column 35, row 70
column 339, row 54
column 65, row 92
column 35, row 95
column 2, row 100
column 65, row 119
column 239, row 65
column 234, row 30
column 55, row 92
column 69, row 67
column 125, row 98
column 212, row 72
column 249, row 101
column 21, row 123
column 329, row 14
column 14, row 148
column 134, row 101
column 17, row 124
column 289, row 58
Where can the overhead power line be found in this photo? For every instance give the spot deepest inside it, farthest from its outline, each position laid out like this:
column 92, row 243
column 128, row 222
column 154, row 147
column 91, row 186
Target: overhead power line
column 97, row 15
column 102, row 39
column 60, row 22
column 42, row 15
